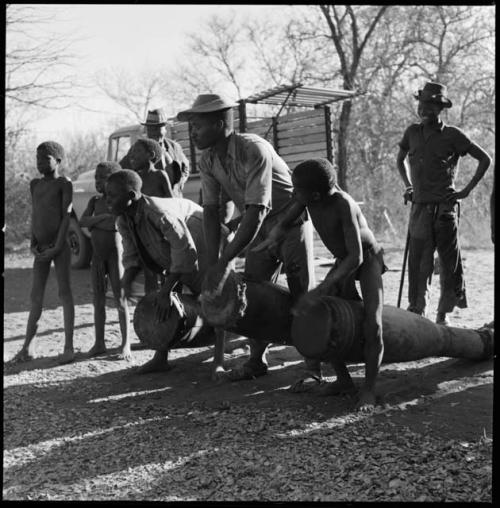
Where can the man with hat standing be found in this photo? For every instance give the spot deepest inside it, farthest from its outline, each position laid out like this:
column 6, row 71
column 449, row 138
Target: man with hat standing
column 173, row 161
column 245, row 169
column 433, row 149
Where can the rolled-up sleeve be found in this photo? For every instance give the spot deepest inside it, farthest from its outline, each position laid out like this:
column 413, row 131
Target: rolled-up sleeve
column 130, row 256
column 210, row 187
column 259, row 176
column 183, row 253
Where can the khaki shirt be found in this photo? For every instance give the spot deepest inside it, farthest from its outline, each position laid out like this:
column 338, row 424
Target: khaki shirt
column 169, row 229
column 433, row 154
column 252, row 174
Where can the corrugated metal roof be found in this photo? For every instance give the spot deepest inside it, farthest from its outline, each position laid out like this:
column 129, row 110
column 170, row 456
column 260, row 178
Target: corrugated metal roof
column 299, row 95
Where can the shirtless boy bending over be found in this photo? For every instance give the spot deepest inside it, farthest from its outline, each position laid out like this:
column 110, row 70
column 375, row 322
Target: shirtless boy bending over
column 51, row 197
column 106, row 262
column 344, row 231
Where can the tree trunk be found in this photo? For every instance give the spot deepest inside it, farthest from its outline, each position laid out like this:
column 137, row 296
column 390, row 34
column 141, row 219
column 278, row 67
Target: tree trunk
column 342, row 138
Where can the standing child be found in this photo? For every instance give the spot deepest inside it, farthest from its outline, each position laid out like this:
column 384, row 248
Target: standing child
column 106, row 262
column 51, row 198
column 343, row 229
column 143, row 155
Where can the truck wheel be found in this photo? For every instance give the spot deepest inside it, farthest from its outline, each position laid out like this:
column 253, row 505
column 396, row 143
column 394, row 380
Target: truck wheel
column 81, row 249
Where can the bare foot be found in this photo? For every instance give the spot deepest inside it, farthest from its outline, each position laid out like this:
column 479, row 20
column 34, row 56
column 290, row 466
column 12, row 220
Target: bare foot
column 96, row 350
column 67, row 357
column 366, row 401
column 337, row 388
column 23, row 356
column 218, row 373
column 305, row 384
column 125, row 353
column 154, row 365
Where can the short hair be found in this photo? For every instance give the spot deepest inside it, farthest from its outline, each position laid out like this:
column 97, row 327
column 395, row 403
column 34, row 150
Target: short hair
column 109, row 166
column 316, row 175
column 52, row 148
column 151, row 146
column 126, row 178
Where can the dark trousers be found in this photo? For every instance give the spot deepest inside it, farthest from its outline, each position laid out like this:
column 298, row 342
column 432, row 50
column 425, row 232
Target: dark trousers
column 434, row 226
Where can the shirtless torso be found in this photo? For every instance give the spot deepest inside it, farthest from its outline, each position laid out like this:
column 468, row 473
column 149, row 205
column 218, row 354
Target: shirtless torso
column 49, row 208
column 104, row 235
column 155, row 183
column 335, row 219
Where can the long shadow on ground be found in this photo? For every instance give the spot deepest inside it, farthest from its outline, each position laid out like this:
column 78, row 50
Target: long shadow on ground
column 18, row 282
column 43, row 411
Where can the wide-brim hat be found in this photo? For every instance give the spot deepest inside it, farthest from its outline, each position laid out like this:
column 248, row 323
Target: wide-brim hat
column 434, row 92
column 155, row 117
column 206, row 103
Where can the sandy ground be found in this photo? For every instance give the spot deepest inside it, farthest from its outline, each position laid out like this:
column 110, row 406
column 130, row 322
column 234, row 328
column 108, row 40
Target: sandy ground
column 55, row 415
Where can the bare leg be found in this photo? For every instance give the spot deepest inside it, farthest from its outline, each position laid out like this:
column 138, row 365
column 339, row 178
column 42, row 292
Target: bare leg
column 373, row 298
column 62, row 264
column 159, row 363
column 115, row 274
column 98, row 278
column 219, row 349
column 41, row 271
column 150, row 281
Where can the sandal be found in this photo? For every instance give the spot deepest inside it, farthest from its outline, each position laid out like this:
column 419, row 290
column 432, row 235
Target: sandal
column 247, row 371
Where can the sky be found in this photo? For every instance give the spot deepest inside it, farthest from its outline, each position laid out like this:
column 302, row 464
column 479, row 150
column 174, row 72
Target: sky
column 123, row 36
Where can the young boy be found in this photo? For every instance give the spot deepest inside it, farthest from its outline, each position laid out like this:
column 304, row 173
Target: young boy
column 165, row 235
column 344, row 231
column 143, row 155
column 51, row 197
column 106, row 262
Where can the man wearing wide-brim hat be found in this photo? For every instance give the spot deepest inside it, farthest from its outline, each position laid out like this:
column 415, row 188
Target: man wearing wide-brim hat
column 245, row 169
column 173, row 160
column 434, row 149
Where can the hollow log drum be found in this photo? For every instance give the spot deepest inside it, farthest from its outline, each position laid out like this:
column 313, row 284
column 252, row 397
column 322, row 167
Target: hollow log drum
column 333, row 328
column 261, row 310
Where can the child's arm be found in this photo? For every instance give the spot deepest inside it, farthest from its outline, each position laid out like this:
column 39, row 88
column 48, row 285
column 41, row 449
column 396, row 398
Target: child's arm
column 33, row 242
column 166, row 186
column 354, row 248
column 86, row 220
column 105, row 221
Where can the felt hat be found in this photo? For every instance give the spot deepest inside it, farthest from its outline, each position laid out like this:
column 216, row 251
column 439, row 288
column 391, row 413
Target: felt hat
column 434, row 92
column 206, row 103
column 155, row 117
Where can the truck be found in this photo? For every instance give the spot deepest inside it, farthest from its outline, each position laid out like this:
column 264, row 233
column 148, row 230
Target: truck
column 305, row 133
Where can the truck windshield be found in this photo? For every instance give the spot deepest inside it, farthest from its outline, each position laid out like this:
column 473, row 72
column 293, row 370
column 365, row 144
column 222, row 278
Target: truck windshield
column 119, row 147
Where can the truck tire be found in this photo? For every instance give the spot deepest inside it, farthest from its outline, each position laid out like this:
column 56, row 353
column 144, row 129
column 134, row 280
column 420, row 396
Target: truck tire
column 81, row 248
